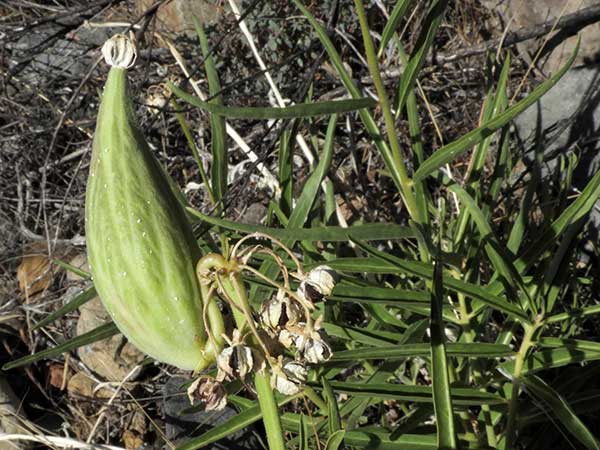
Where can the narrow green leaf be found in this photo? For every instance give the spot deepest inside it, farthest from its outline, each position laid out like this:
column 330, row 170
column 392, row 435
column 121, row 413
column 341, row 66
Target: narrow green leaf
column 333, row 414
column 303, row 434
column 574, row 314
column 76, row 270
column 428, row 31
column 335, row 440
column 425, row 271
column 577, row 344
column 97, row 334
column 189, row 138
column 414, row 393
column 375, row 439
column 370, row 438
column 72, row 305
column 549, row 358
column 472, row 350
column 371, row 231
column 391, row 25
column 391, row 296
column 361, row 335
column 416, row 139
column 413, row 301
column 306, row 201
column 584, row 402
column 447, row 153
column 499, row 258
column 367, row 119
column 575, row 211
column 442, row 401
column 558, row 405
column 217, row 123
column 289, row 112
column 286, row 168
column 495, row 104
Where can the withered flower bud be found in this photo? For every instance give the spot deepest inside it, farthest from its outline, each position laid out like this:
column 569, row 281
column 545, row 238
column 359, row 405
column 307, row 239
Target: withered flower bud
column 312, row 347
column 309, row 291
column 208, row 391
column 324, row 279
column 289, row 336
column 319, row 283
column 120, row 51
column 290, row 378
column 235, row 361
column 279, row 312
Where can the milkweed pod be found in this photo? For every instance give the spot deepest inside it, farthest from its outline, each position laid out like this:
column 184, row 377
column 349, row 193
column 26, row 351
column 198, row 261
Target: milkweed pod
column 141, row 248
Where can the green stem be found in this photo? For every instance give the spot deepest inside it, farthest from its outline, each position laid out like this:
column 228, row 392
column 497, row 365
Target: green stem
column 477, row 372
column 396, row 155
column 266, row 398
column 511, row 426
column 270, row 413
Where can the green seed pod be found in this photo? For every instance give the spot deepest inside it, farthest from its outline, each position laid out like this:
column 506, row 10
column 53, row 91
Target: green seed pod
column 141, row 248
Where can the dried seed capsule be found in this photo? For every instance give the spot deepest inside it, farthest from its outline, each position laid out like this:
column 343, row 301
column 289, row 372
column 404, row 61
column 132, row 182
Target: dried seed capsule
column 208, row 391
column 290, row 378
column 279, row 312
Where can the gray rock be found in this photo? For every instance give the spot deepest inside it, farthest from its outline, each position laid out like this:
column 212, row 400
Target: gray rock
column 567, row 119
column 113, row 358
column 176, row 17
column 557, row 49
column 254, row 214
column 181, row 426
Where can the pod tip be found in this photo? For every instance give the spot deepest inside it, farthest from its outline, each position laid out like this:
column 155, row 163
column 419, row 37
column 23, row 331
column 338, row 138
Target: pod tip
column 120, row 51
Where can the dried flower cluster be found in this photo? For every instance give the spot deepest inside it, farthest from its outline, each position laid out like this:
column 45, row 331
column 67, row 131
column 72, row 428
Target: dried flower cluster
column 284, row 339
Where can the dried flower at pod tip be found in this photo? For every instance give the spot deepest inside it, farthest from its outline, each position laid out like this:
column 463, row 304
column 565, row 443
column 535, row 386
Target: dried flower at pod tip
column 279, row 312
column 208, row 391
column 312, row 347
column 120, row 51
column 290, row 378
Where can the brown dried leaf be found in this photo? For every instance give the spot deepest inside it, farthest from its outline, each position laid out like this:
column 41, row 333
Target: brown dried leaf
column 80, row 385
column 132, row 440
column 34, row 273
column 56, row 374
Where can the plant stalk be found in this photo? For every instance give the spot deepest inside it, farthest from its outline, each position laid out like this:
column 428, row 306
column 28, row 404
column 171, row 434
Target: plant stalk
column 266, row 398
column 396, row 155
column 511, row 426
column 477, row 372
